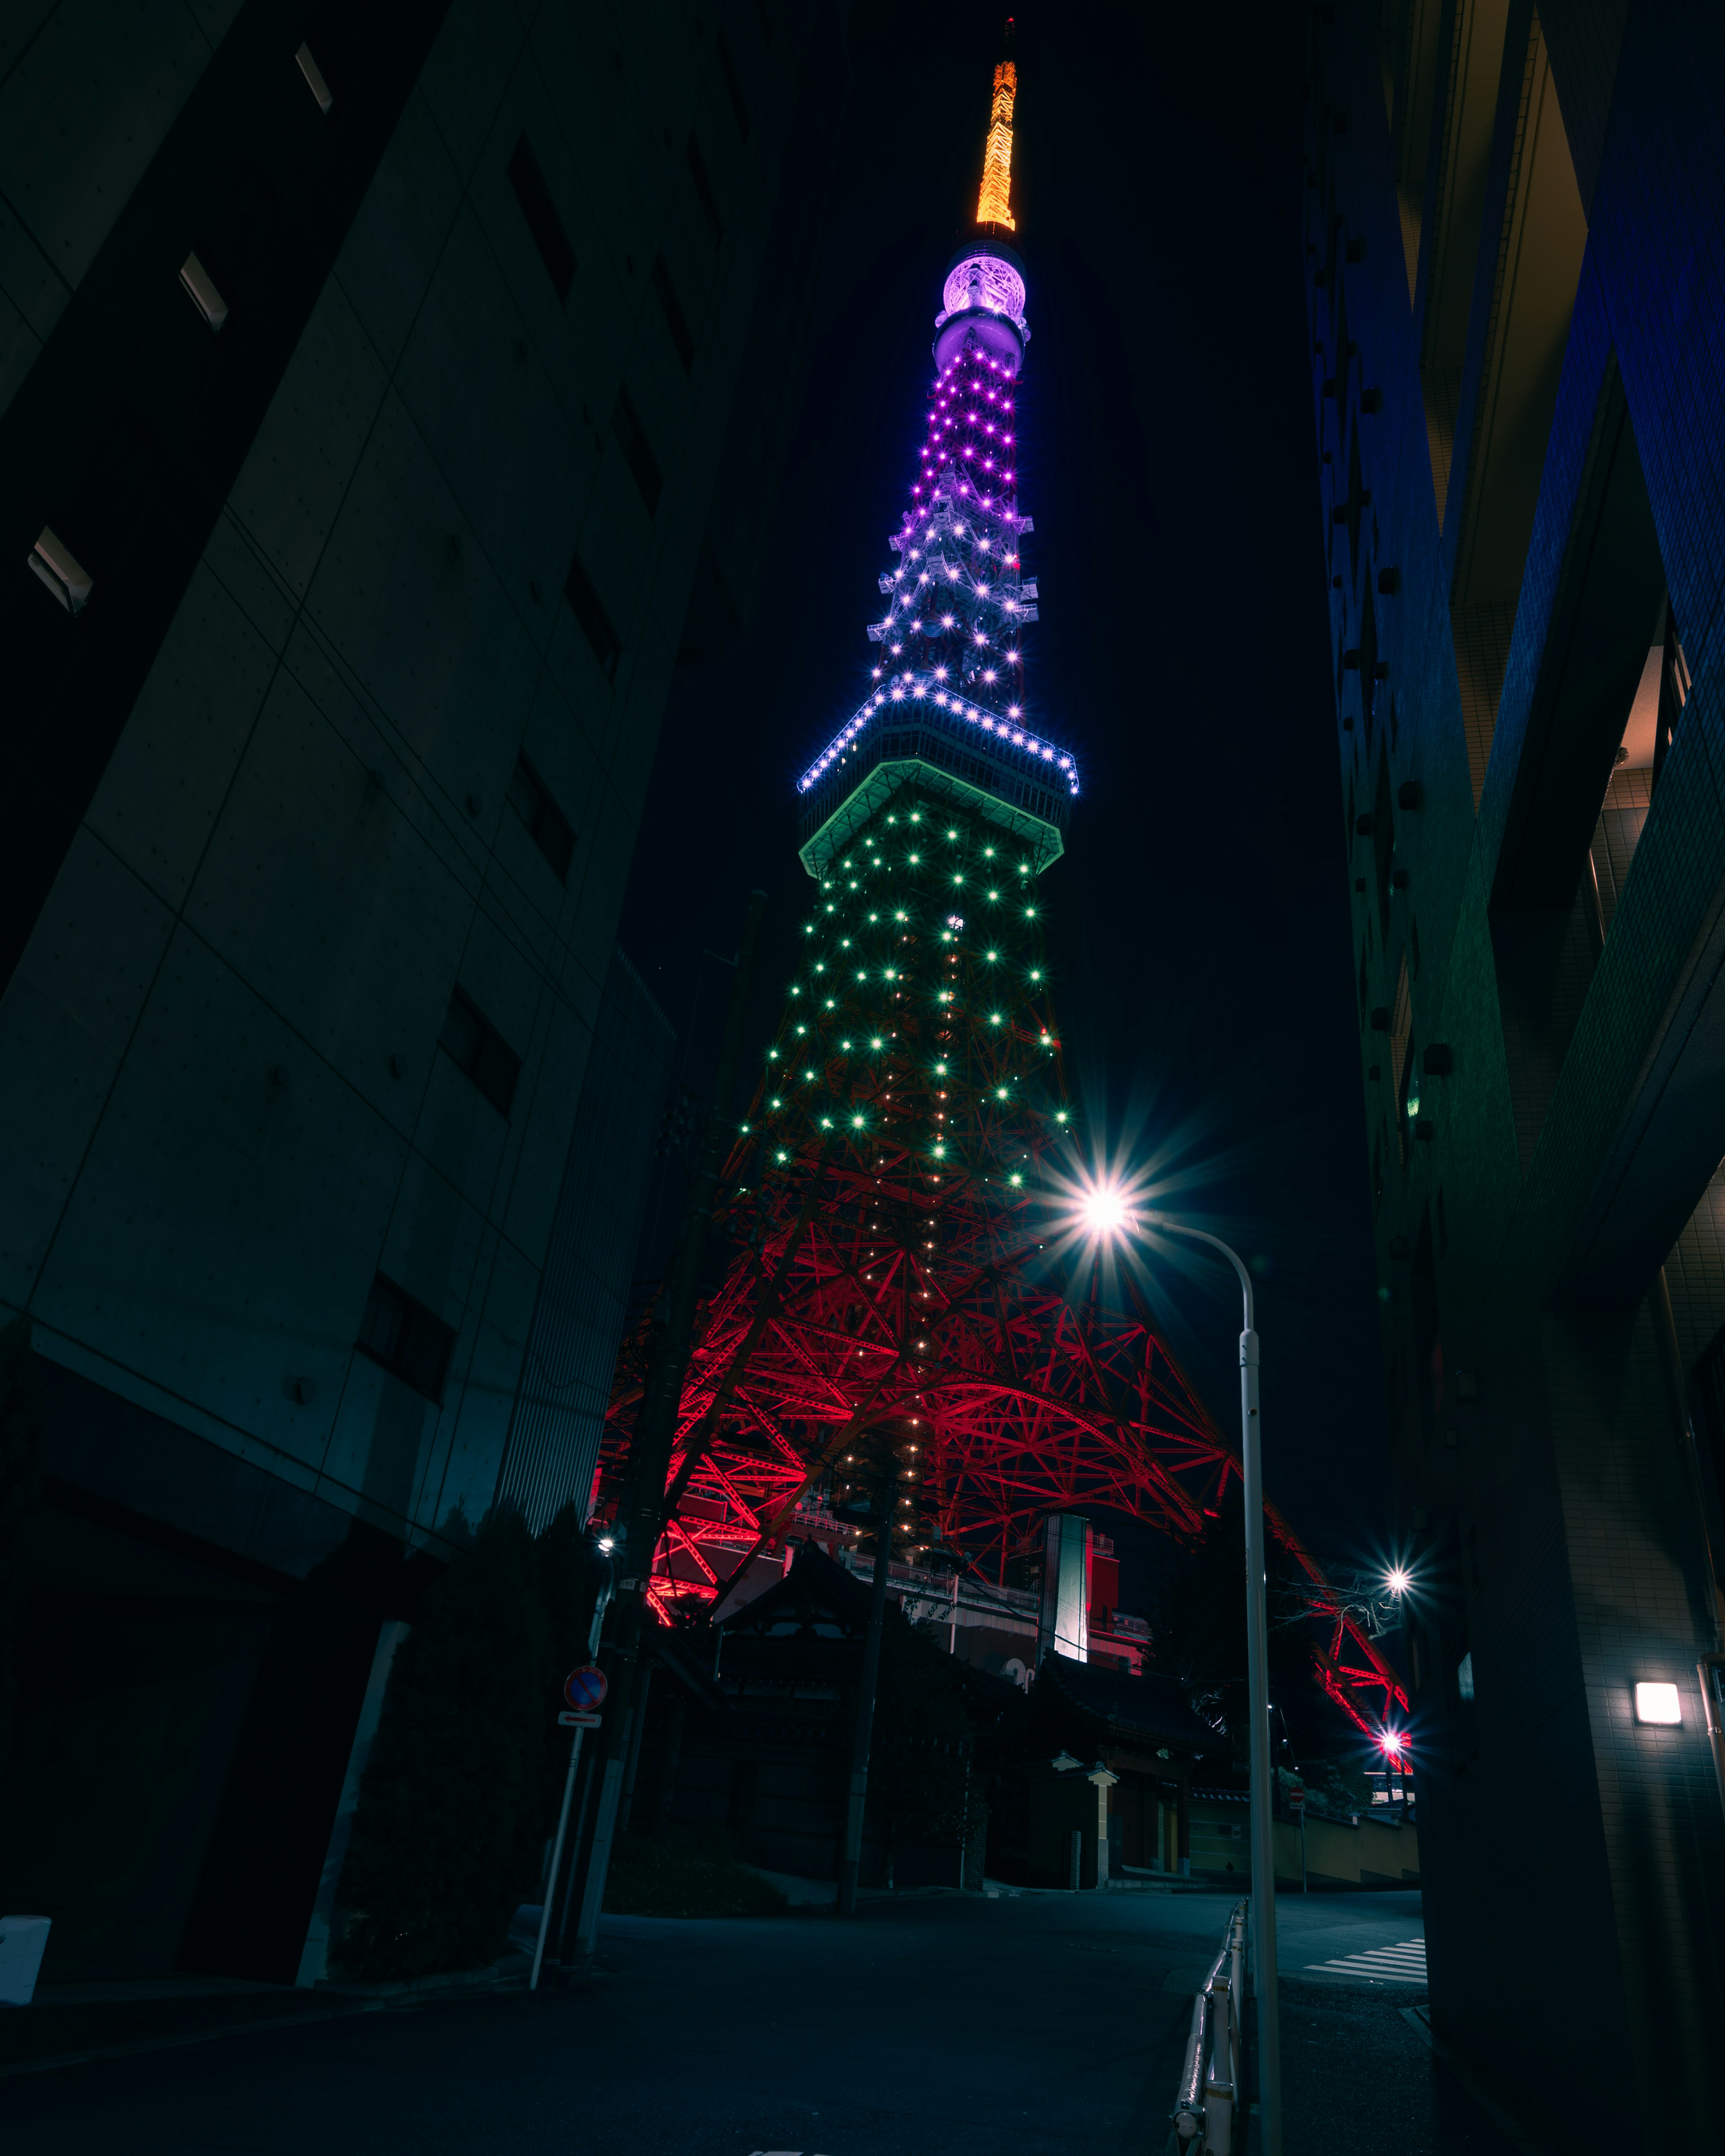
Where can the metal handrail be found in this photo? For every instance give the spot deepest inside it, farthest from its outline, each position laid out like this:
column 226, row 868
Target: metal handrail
column 1209, row 2092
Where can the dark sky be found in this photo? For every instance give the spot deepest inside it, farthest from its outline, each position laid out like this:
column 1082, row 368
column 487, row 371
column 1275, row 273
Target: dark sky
column 1199, row 923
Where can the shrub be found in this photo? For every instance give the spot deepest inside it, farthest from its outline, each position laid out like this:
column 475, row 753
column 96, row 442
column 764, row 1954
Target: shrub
column 685, row 1874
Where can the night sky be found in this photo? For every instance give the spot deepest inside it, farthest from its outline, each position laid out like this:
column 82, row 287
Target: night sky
column 1199, row 923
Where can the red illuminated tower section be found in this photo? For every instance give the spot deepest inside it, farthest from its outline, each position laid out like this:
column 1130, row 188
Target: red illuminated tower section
column 906, row 1161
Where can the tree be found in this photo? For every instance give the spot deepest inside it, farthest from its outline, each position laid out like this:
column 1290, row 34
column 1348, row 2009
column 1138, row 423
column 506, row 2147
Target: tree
column 466, row 1771
column 1199, row 1629
column 919, row 1756
column 944, row 1734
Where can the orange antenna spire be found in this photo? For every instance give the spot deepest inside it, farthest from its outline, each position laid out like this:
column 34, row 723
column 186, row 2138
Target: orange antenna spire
column 994, row 203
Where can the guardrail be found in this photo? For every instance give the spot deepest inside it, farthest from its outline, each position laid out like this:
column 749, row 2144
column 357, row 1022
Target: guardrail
column 1210, row 2092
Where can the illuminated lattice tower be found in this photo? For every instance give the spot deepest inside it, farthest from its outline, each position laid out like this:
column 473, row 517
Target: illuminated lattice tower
column 889, row 1193
column 889, row 1180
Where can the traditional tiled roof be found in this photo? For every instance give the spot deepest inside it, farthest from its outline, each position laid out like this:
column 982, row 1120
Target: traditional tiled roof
column 816, row 1599
column 1151, row 1708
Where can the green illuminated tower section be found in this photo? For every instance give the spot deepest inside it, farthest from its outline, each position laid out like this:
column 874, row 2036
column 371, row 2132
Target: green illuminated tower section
column 918, row 1040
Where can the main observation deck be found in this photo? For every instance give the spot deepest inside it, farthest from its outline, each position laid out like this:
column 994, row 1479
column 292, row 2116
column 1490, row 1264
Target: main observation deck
column 922, row 734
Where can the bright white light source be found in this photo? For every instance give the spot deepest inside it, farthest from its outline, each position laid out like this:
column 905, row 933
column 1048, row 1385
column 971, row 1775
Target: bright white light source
column 1657, row 1703
column 1392, row 1740
column 1396, row 1580
column 1103, row 1209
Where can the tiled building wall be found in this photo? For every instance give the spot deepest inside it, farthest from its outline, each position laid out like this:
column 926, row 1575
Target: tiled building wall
column 222, row 1044
column 1578, row 1127
column 88, row 90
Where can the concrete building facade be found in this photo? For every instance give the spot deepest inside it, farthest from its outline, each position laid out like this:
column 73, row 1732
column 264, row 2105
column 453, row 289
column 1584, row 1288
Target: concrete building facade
column 383, row 396
column 1513, row 218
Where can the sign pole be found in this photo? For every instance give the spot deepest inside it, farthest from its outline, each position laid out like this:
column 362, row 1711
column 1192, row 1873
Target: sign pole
column 585, row 1690
column 556, row 1858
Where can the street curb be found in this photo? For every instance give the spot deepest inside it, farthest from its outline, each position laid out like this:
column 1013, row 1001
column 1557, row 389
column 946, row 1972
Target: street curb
column 146, row 2043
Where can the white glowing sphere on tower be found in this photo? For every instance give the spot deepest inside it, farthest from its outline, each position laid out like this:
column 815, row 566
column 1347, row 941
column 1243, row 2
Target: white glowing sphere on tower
column 984, row 281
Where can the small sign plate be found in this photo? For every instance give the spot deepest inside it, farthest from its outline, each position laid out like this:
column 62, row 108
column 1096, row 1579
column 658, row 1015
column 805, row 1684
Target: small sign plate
column 570, row 1720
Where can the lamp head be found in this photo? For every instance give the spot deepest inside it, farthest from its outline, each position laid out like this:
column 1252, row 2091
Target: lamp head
column 1102, row 1211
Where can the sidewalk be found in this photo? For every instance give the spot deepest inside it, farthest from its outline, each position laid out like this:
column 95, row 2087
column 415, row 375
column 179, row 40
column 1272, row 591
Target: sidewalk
column 72, row 2025
column 1360, row 2074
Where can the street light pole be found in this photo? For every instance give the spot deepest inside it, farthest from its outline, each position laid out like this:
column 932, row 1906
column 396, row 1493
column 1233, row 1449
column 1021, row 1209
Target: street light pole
column 1258, row 1704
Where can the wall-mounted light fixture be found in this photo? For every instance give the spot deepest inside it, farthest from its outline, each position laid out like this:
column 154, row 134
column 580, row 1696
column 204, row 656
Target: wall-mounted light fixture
column 1658, row 1703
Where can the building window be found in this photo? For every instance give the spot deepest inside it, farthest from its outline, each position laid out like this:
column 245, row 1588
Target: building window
column 1401, row 1059
column 540, row 211
column 589, row 610
column 1383, row 841
column 551, row 830
column 470, row 1041
column 409, row 1341
column 704, row 191
column 675, row 320
column 637, row 451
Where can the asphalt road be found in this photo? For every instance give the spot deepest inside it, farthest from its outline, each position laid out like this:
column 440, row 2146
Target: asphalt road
column 1038, row 2026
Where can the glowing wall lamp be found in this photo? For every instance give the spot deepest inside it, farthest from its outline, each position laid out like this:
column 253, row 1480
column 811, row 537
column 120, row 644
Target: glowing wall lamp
column 1658, row 1703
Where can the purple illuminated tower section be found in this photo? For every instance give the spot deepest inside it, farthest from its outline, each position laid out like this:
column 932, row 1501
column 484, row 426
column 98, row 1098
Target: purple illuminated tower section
column 947, row 685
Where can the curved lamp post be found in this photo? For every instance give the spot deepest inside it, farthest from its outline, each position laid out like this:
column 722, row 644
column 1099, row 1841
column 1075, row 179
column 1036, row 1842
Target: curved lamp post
column 1106, row 1214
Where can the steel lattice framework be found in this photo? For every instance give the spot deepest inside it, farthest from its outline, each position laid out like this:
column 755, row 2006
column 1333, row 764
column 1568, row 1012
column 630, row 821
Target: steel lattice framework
column 896, row 1194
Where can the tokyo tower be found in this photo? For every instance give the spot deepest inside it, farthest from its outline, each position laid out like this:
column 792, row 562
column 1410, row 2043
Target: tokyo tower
column 908, row 1156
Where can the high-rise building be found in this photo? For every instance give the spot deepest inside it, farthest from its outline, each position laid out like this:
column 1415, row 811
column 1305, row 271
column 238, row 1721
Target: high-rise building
column 366, row 383
column 1512, row 215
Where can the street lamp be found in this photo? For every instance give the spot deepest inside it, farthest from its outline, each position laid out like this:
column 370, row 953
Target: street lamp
column 1105, row 1212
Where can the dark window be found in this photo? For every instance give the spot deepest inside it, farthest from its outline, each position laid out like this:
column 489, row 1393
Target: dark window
column 1368, row 661
column 704, row 189
column 470, row 1039
column 744, row 1777
column 541, row 212
column 734, row 87
column 589, row 610
column 637, row 451
column 675, row 320
column 1674, row 686
column 1383, row 840
column 551, row 831
column 411, row 1342
column 1407, row 1098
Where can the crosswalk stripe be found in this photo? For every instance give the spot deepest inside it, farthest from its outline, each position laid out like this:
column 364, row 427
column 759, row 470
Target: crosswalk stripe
column 1402, row 1964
